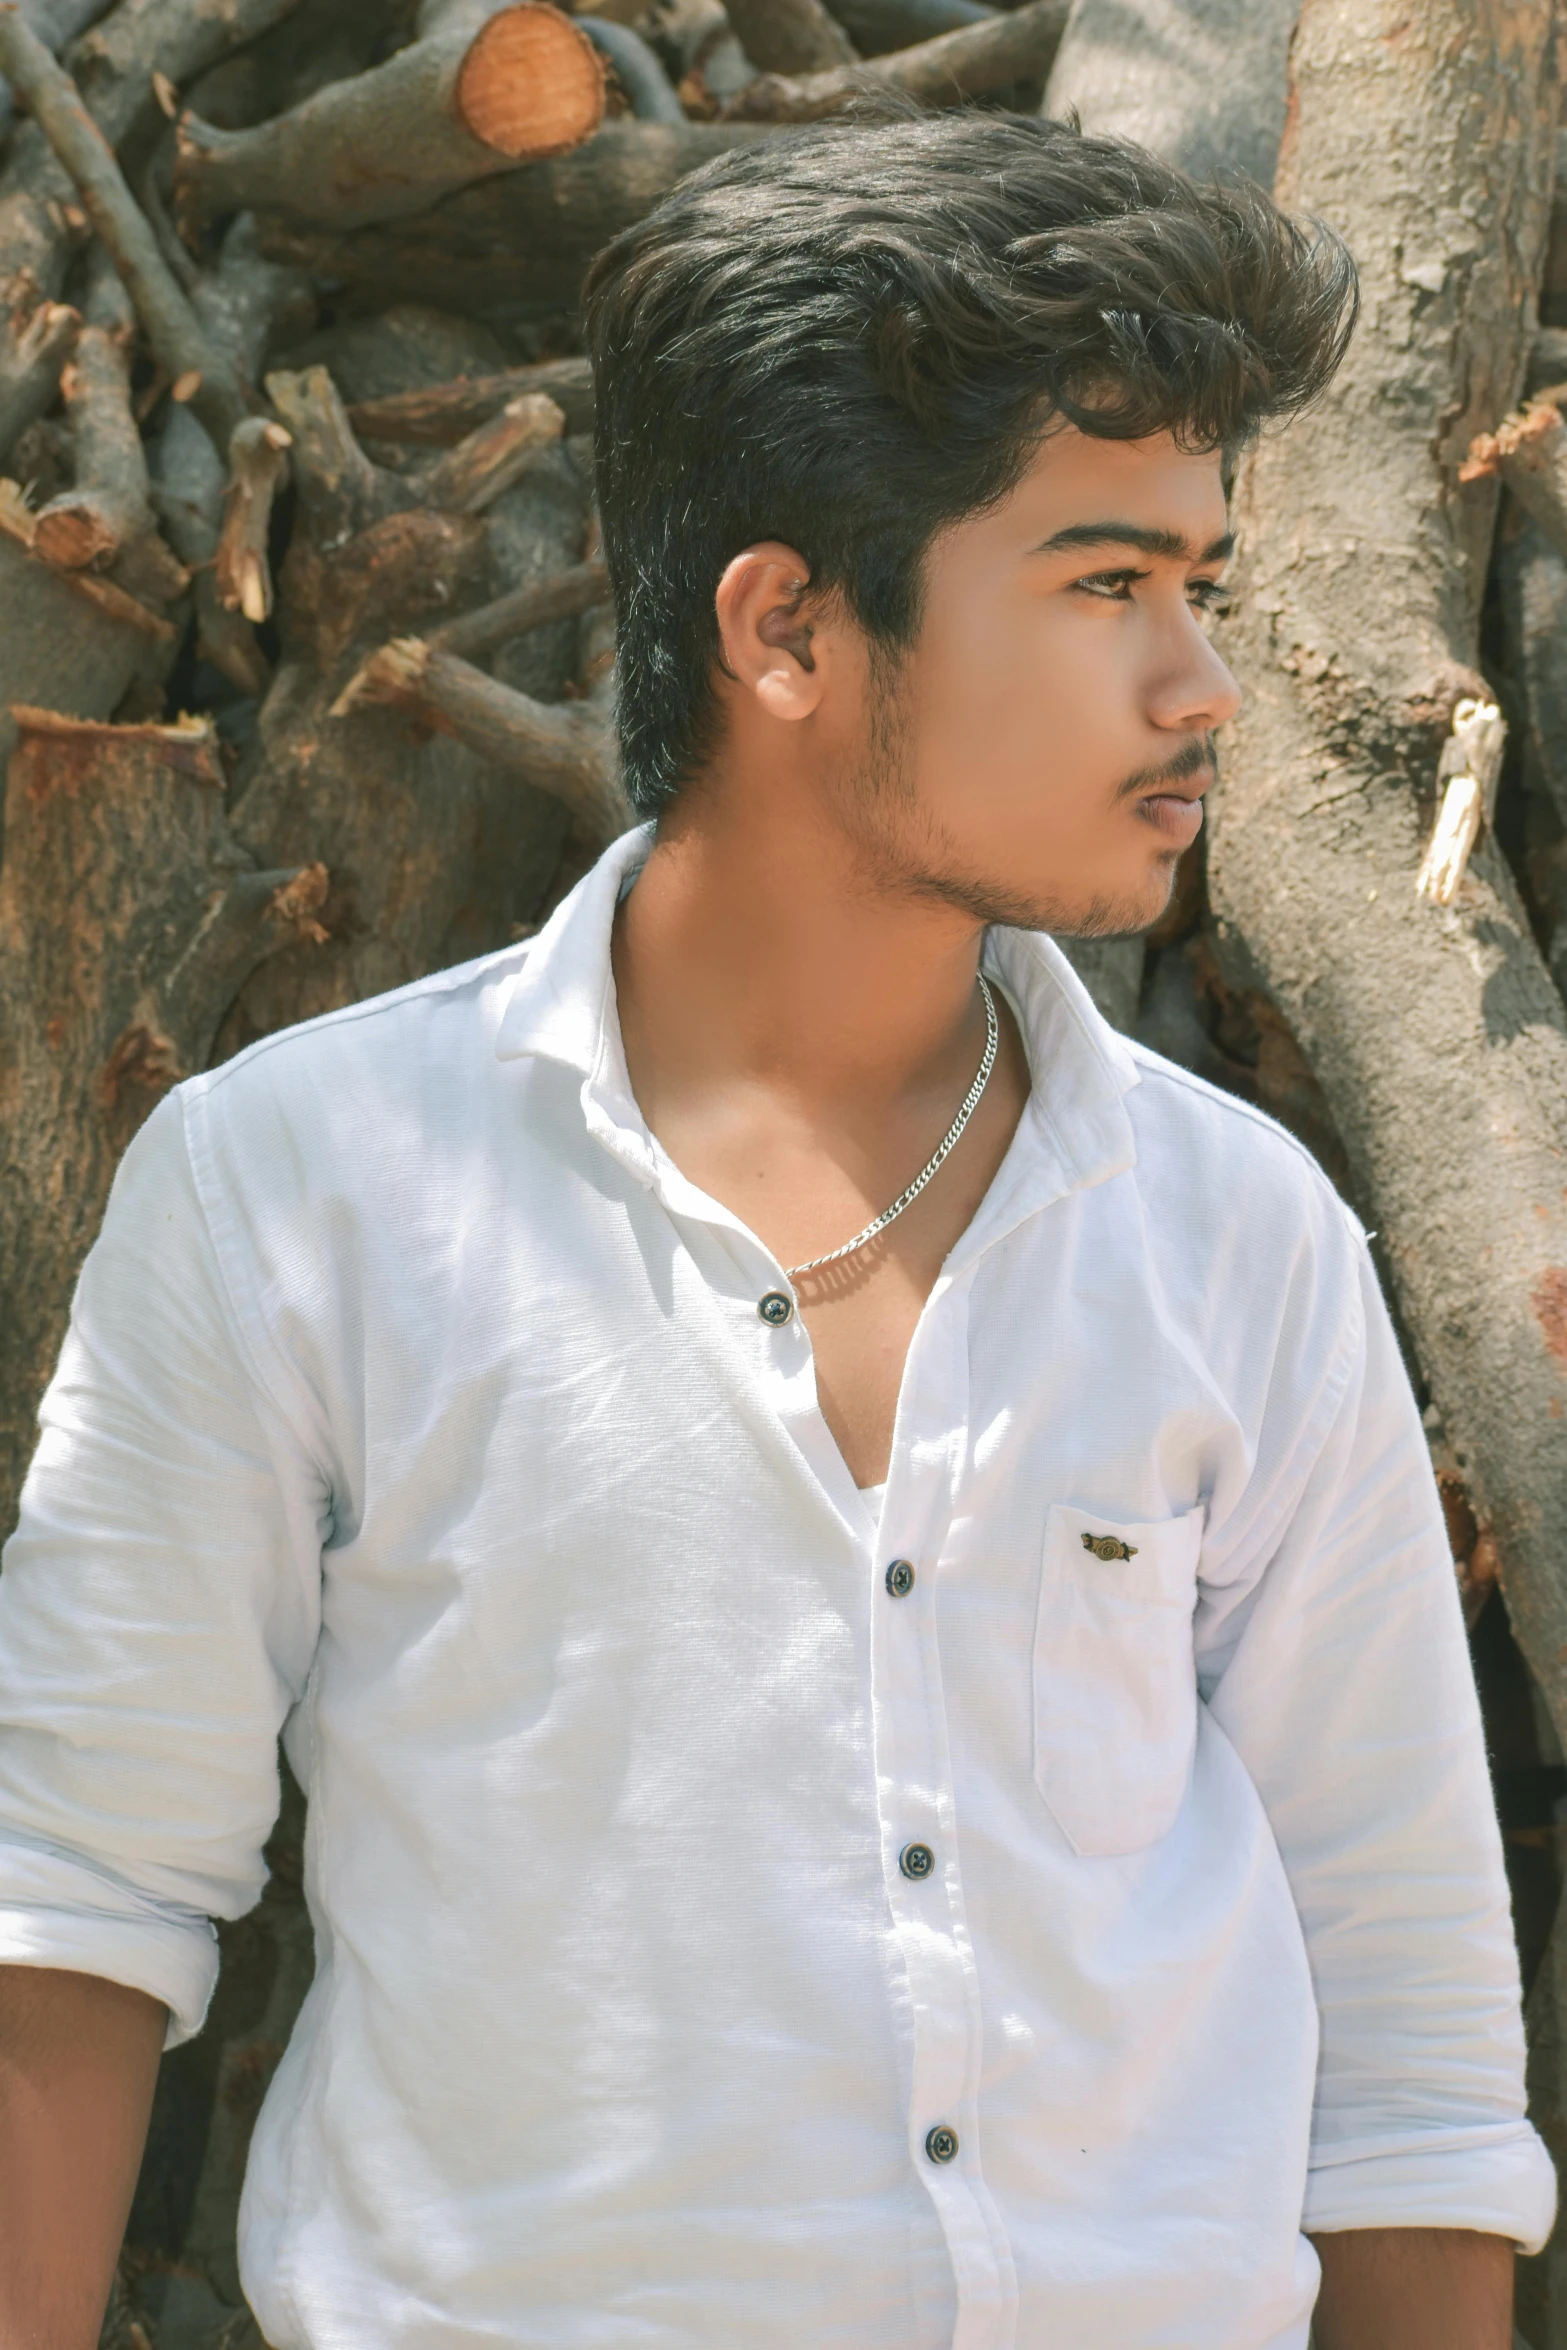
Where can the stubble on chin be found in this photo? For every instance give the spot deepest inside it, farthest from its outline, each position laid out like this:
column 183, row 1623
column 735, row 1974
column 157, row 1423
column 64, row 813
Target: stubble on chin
column 903, row 852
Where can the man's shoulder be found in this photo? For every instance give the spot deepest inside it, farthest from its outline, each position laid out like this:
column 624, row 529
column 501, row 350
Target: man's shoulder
column 447, row 1011
column 401, row 1064
column 1216, row 1157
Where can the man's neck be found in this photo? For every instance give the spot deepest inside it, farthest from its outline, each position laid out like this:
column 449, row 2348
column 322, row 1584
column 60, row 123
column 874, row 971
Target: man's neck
column 762, row 953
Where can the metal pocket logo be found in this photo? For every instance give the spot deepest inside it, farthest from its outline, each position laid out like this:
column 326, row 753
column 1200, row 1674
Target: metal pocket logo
column 1109, row 1546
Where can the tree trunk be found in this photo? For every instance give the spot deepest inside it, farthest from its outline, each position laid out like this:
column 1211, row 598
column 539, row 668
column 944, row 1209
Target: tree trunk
column 1427, row 140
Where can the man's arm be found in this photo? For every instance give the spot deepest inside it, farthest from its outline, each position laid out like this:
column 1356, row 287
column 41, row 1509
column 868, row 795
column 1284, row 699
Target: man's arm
column 1414, row 2289
column 78, row 2060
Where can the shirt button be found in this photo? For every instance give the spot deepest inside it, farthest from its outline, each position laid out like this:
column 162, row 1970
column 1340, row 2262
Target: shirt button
column 776, row 1308
column 916, row 1860
column 900, row 1578
column 941, row 2144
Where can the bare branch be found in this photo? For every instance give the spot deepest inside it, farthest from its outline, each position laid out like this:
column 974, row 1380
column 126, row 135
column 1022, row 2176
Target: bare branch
column 443, row 413
column 943, row 72
column 174, row 333
column 475, row 634
column 473, row 475
column 563, row 748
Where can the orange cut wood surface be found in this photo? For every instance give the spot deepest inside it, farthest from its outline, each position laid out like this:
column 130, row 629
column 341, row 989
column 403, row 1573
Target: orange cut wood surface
column 532, row 84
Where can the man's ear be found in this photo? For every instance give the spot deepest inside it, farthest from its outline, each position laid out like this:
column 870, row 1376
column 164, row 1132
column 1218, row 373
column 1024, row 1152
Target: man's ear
column 770, row 633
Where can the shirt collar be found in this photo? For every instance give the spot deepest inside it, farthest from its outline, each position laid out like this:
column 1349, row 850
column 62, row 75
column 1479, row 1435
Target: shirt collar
column 1074, row 1132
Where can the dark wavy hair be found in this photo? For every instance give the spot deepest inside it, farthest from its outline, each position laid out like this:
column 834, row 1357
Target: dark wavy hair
column 851, row 335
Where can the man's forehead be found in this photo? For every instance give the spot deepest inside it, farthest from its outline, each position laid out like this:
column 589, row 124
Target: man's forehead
column 1152, row 495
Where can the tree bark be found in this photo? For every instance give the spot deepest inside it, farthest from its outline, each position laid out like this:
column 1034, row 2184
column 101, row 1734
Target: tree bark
column 790, row 36
column 966, row 64
column 1437, row 1034
column 445, row 112
column 1201, row 82
column 526, row 236
column 565, row 597
column 875, row 26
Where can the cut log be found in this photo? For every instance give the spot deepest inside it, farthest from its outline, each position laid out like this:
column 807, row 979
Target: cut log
column 108, row 509
column 493, row 456
column 1529, row 452
column 563, row 748
column 174, row 333
column 438, row 115
column 35, row 342
column 442, row 413
column 966, row 64
column 875, row 26
column 1201, row 82
column 526, row 236
column 129, row 917
column 644, row 84
column 790, row 36
column 258, row 457
column 1436, row 1032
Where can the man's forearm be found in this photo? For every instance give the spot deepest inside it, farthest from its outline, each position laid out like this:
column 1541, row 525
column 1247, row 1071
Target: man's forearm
column 1414, row 2289
column 78, row 2062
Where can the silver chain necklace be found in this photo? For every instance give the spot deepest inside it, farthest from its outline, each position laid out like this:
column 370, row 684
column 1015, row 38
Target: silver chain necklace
column 948, row 1143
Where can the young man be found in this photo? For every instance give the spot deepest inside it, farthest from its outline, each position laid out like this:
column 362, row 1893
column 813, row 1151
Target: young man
column 844, row 1556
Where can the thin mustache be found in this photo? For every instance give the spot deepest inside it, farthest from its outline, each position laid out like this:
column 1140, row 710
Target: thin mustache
column 1195, row 758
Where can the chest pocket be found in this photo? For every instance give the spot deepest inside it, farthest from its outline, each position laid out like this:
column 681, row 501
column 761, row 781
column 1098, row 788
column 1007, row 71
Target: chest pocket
column 1115, row 1678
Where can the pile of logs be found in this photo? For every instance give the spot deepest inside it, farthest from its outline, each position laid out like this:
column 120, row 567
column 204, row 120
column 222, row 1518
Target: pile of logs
column 305, row 662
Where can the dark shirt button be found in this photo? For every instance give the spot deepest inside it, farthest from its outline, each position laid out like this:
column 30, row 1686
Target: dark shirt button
column 941, row 2144
column 900, row 1578
column 776, row 1307
column 916, row 1860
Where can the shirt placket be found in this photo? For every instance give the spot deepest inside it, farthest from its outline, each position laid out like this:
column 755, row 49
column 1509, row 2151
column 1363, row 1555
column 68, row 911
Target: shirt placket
column 920, row 1855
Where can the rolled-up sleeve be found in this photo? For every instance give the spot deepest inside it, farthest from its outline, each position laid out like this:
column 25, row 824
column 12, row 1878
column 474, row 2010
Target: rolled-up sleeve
column 159, row 1609
column 1341, row 1674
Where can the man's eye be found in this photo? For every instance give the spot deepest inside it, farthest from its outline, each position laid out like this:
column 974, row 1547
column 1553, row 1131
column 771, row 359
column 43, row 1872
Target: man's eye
column 1209, row 595
column 1117, row 586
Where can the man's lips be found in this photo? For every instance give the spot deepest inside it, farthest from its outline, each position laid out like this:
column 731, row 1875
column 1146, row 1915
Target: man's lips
column 1176, row 813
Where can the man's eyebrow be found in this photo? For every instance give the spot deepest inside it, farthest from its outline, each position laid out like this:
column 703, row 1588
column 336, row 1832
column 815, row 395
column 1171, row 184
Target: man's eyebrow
column 1132, row 534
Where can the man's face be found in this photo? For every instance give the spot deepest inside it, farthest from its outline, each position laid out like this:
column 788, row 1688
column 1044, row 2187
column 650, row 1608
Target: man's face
column 1038, row 755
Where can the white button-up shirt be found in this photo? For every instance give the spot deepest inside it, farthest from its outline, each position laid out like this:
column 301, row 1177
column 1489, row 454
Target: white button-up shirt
column 416, row 1402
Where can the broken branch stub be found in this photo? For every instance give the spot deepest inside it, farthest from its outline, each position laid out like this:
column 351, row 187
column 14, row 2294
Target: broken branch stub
column 1467, row 777
column 258, row 461
column 445, row 112
column 488, row 460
